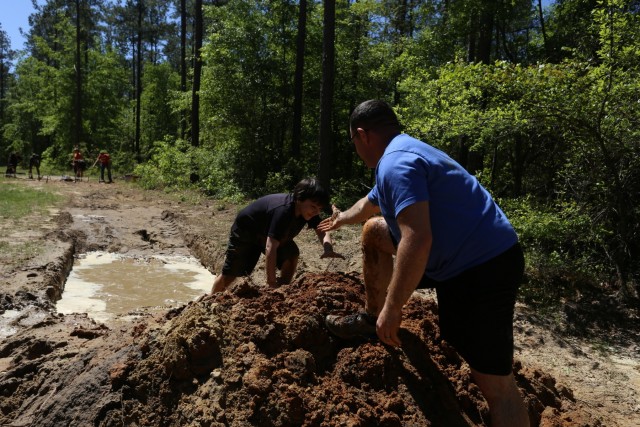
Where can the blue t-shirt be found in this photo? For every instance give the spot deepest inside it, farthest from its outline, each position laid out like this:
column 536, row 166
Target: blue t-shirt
column 468, row 227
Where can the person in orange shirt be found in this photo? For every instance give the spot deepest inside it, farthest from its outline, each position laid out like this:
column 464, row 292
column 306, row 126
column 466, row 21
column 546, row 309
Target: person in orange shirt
column 104, row 159
column 77, row 162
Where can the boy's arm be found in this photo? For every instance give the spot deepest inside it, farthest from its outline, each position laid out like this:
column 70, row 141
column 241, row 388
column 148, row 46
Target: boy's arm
column 271, row 252
column 327, row 245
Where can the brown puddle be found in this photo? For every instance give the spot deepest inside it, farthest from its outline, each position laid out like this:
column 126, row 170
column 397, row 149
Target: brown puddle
column 107, row 286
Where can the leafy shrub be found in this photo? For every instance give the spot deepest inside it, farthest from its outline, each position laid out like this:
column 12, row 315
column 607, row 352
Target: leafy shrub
column 562, row 247
column 278, row 182
column 347, row 192
column 173, row 164
column 168, row 166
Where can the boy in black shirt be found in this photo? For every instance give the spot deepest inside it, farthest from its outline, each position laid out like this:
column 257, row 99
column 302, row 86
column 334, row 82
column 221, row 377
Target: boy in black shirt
column 268, row 226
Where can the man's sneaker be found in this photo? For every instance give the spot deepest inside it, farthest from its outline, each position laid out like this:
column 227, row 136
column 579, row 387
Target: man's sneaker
column 358, row 325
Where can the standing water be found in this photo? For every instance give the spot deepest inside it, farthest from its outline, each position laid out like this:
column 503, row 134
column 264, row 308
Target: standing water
column 107, row 286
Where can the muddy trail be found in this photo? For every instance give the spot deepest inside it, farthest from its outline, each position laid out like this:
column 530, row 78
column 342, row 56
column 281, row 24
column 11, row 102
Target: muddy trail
column 250, row 356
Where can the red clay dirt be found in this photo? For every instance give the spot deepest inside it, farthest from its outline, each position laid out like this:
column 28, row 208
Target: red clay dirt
column 251, row 356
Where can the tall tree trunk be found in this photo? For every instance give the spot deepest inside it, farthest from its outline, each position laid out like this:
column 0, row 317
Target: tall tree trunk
column 298, row 81
column 542, row 29
column 138, row 81
column 485, row 36
column 481, row 25
column 326, row 93
column 195, row 90
column 78, row 76
column 197, row 70
column 354, row 71
column 3, row 57
column 183, row 63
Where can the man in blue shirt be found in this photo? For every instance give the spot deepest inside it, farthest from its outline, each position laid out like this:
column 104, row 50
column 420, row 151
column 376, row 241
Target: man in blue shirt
column 445, row 232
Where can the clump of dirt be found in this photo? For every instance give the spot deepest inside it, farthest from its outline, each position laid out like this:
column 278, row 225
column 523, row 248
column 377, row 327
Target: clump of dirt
column 262, row 357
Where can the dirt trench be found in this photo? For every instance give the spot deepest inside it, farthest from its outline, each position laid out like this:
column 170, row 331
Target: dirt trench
column 248, row 357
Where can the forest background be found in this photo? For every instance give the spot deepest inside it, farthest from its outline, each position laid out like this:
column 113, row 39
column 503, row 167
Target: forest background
column 241, row 98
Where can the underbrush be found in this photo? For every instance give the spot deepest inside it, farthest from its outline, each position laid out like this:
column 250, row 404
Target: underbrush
column 568, row 277
column 177, row 166
column 563, row 248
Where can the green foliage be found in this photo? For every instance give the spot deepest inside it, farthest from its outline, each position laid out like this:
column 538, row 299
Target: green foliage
column 169, row 166
column 563, row 245
column 215, row 180
column 158, row 118
column 561, row 133
column 278, row 183
column 347, row 192
column 172, row 164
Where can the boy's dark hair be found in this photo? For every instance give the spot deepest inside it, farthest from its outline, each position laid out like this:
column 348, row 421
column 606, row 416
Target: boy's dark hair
column 310, row 188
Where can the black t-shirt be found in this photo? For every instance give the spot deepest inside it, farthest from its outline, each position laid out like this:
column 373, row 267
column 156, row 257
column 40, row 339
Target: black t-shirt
column 272, row 216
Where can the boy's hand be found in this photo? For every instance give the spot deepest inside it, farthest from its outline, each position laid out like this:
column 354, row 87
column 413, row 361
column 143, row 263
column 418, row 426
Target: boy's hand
column 329, row 252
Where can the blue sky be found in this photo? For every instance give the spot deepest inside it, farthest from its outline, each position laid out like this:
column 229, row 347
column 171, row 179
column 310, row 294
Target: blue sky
column 15, row 14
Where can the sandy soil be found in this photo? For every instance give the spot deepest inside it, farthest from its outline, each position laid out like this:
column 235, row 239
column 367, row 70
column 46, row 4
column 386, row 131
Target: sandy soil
column 253, row 356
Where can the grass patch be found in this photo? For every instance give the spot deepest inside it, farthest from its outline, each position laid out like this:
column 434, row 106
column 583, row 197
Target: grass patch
column 17, row 201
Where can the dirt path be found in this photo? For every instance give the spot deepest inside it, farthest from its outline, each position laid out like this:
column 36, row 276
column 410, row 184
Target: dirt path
column 253, row 356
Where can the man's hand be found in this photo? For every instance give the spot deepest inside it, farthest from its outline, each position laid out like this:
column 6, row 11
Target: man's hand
column 388, row 325
column 330, row 223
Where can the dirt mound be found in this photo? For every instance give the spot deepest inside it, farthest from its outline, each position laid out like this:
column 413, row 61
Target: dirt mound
column 262, row 357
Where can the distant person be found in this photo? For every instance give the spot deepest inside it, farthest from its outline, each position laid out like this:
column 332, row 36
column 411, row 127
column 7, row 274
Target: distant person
column 12, row 165
column 441, row 229
column 34, row 162
column 78, row 163
column 268, row 226
column 104, row 161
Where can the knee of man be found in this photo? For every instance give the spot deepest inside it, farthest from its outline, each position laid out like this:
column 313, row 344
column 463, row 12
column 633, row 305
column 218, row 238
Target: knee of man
column 375, row 233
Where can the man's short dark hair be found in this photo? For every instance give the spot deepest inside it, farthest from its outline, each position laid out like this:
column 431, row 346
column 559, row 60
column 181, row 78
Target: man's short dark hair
column 310, row 188
column 373, row 113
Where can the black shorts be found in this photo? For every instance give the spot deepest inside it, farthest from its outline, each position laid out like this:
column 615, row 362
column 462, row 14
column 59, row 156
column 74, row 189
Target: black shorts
column 243, row 253
column 476, row 311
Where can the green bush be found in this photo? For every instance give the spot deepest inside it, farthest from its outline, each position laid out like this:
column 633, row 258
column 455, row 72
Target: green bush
column 562, row 247
column 168, row 167
column 173, row 164
column 347, row 192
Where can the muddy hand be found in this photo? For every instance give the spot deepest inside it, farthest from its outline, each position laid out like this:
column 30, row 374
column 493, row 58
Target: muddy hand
column 388, row 325
column 330, row 223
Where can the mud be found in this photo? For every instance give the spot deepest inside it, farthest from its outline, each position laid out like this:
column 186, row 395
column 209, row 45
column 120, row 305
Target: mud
column 248, row 356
